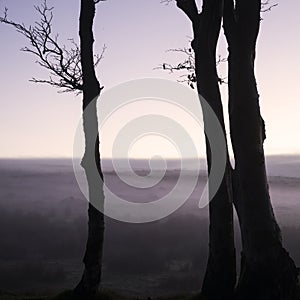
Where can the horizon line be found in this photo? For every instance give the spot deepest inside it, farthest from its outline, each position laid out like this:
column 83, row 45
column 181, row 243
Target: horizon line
column 123, row 158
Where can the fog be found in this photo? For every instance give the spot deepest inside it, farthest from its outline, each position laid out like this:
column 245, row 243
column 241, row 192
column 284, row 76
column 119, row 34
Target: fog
column 43, row 227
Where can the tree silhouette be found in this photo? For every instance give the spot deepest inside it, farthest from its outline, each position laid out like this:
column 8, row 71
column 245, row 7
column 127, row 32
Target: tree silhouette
column 73, row 70
column 267, row 271
column 220, row 277
column 91, row 278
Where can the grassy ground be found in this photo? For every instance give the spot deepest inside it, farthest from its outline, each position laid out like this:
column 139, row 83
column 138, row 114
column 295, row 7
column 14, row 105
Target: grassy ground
column 105, row 295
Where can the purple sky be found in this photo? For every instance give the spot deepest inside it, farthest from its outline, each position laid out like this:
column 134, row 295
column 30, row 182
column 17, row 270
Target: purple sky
column 38, row 122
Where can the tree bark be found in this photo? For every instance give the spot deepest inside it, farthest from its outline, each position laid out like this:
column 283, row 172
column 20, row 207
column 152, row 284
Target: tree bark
column 220, row 277
column 90, row 281
column 267, row 270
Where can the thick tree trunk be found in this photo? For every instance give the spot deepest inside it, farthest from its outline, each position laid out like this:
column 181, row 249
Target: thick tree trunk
column 91, row 278
column 220, row 277
column 267, row 270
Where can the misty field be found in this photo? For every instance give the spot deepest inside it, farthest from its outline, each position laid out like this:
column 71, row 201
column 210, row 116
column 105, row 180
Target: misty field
column 43, row 228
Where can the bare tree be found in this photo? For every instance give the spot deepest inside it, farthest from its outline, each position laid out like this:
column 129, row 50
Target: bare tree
column 73, row 70
column 91, row 278
column 220, row 277
column 267, row 271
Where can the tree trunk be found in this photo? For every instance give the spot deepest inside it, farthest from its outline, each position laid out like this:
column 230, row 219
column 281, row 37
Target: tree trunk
column 220, row 277
column 267, row 270
column 89, row 284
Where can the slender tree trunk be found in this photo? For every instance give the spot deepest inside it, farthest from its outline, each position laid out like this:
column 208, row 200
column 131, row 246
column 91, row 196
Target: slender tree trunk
column 267, row 270
column 91, row 278
column 220, row 277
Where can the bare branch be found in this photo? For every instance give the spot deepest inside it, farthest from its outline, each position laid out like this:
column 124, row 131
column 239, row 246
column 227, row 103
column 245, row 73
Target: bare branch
column 267, row 6
column 166, row 2
column 62, row 62
column 187, row 67
column 189, row 7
